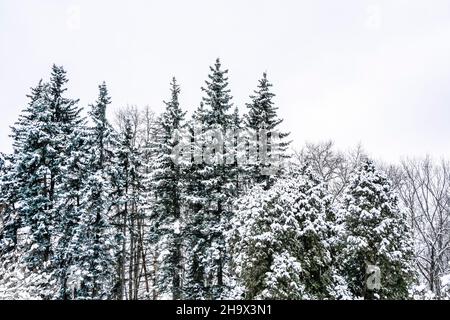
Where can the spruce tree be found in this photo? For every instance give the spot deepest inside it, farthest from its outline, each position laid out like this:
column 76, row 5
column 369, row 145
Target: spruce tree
column 34, row 137
column 26, row 195
column 195, row 236
column 167, row 184
column 89, row 242
column 213, row 187
column 262, row 117
column 71, row 187
column 196, row 204
column 45, row 146
column 376, row 233
column 66, row 174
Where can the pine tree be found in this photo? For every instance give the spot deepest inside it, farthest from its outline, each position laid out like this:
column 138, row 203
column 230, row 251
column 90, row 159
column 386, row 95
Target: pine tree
column 280, row 241
column 376, row 233
column 167, row 185
column 262, row 117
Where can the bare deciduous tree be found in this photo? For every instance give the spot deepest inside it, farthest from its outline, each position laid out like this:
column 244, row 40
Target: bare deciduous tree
column 333, row 167
column 133, row 208
column 425, row 193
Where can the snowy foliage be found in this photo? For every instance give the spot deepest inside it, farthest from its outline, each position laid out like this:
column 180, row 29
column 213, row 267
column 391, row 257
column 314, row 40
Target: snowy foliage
column 376, row 233
column 211, row 188
column 18, row 282
column 89, row 210
column 166, row 183
column 282, row 241
column 262, row 114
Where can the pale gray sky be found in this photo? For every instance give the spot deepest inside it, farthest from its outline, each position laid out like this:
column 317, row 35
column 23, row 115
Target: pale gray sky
column 375, row 72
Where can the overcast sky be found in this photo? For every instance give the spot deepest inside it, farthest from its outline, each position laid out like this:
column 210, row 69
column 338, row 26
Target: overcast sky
column 375, row 72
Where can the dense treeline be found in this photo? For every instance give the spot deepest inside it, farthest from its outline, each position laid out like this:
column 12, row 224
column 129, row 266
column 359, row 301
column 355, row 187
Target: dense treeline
column 157, row 207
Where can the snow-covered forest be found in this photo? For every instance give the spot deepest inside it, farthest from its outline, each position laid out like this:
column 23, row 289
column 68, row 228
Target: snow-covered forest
column 140, row 206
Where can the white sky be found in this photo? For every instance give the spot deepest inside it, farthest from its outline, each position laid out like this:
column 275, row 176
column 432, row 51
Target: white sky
column 375, row 72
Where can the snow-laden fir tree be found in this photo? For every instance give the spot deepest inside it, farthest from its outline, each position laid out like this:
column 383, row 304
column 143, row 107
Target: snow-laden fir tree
column 91, row 249
column 167, row 185
column 67, row 177
column 282, row 241
column 213, row 186
column 69, row 207
column 262, row 121
column 41, row 151
column 23, row 177
column 376, row 233
column 196, row 225
column 34, row 170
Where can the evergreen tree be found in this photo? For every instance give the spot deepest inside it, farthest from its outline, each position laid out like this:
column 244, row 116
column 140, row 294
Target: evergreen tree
column 88, row 244
column 43, row 142
column 39, row 143
column 66, row 171
column 196, row 203
column 167, row 184
column 81, row 212
column 217, row 99
column 262, row 117
column 281, row 241
column 376, row 233
column 34, row 135
column 70, row 190
column 213, row 187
